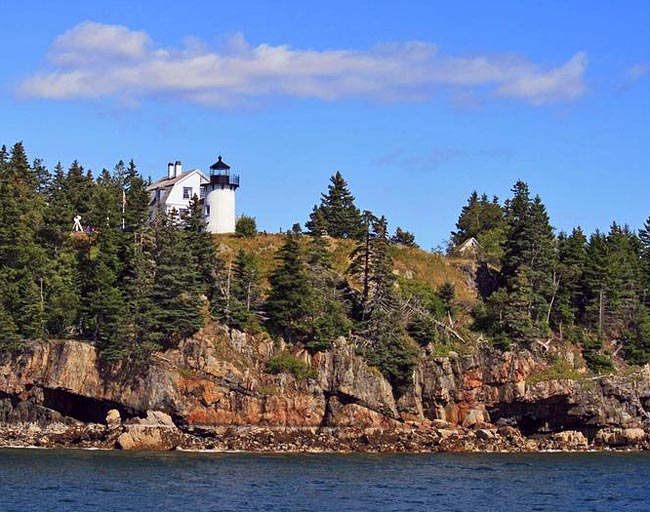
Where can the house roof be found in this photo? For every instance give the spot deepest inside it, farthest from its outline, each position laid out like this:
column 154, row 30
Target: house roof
column 219, row 165
column 166, row 184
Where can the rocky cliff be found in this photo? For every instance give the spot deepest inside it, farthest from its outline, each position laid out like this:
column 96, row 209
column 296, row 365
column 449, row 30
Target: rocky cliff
column 214, row 392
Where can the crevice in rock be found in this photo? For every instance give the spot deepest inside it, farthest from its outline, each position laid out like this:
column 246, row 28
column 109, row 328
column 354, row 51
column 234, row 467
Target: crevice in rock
column 328, row 414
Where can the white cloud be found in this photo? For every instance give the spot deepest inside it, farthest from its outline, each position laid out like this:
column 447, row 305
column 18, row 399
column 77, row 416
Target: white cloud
column 91, row 44
column 93, row 60
column 562, row 83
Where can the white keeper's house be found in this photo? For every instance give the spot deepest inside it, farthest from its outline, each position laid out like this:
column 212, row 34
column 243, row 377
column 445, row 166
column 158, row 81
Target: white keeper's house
column 216, row 193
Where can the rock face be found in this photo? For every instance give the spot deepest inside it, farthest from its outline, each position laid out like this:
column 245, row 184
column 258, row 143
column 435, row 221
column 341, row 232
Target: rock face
column 213, row 391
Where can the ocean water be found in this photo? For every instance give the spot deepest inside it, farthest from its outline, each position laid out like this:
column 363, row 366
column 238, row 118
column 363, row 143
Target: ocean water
column 160, row 482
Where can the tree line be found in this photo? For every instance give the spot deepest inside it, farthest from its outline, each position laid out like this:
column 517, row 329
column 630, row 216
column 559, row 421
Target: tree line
column 134, row 283
column 582, row 288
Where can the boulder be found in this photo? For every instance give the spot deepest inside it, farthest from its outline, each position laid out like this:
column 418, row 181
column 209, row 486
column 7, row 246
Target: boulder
column 620, row 437
column 570, row 440
column 484, row 434
column 113, row 419
column 159, row 418
column 141, row 437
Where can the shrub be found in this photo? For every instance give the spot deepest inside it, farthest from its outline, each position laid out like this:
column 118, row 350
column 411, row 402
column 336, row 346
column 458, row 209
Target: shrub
column 246, row 226
column 288, row 363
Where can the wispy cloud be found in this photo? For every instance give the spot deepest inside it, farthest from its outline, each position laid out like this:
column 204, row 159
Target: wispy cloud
column 439, row 157
column 638, row 71
column 94, row 60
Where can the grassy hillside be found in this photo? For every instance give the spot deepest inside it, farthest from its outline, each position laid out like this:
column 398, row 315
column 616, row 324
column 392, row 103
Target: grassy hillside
column 410, row 263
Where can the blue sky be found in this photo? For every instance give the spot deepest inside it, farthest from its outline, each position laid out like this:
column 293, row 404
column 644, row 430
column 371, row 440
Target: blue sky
column 416, row 103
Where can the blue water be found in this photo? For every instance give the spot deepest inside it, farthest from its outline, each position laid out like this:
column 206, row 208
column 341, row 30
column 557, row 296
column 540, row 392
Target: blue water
column 112, row 481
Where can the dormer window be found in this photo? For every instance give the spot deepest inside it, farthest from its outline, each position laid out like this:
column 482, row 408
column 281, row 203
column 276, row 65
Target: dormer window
column 187, row 192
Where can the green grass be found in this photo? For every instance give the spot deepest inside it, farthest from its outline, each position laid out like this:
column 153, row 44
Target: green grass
column 559, row 369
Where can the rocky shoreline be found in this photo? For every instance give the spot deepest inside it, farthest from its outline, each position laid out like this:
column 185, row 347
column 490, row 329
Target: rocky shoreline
column 157, row 432
column 214, row 393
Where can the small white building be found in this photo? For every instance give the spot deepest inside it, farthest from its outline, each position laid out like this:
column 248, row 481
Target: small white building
column 216, row 194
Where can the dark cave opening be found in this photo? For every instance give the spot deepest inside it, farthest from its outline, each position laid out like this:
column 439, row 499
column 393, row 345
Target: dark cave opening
column 540, row 417
column 82, row 408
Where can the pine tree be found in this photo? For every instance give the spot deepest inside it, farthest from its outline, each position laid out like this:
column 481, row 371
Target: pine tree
column 177, row 285
column 42, row 177
column 103, row 306
column 569, row 305
column 328, row 309
column 596, row 282
column 105, row 206
column 403, row 237
column 644, row 240
column 201, row 248
column 288, row 304
column 483, row 220
column 381, row 324
column 79, row 189
column 246, row 226
column 141, row 311
column 137, row 199
column 624, row 274
column 241, row 293
column 636, row 339
column 23, row 262
column 338, row 217
column 59, row 213
column 529, row 270
column 62, row 293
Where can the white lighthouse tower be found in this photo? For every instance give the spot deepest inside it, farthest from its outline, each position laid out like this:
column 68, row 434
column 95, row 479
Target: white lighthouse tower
column 219, row 198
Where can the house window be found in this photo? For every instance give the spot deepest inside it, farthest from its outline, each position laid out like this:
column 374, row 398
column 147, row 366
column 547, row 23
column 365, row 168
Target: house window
column 202, row 192
column 183, row 213
column 187, row 192
column 207, row 210
column 157, row 195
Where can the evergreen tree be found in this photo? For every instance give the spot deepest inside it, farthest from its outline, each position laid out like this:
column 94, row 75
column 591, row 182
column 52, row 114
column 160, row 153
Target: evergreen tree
column 42, row 177
column 595, row 282
column 103, row 309
column 59, row 213
column 177, row 285
column 79, row 189
column 136, row 211
column 241, row 293
column 447, row 294
column 141, row 311
column 105, row 206
column 636, row 339
column 62, row 292
column 483, row 220
column 288, row 304
column 328, row 309
column 338, row 217
column 403, row 237
column 246, row 226
column 644, row 242
column 381, row 324
column 624, row 275
column 570, row 302
column 528, row 273
column 201, row 248
column 22, row 260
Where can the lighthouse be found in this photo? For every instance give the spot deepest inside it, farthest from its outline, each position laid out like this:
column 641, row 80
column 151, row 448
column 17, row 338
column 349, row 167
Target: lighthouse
column 219, row 200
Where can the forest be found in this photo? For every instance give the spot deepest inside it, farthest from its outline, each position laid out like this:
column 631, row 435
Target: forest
column 133, row 284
